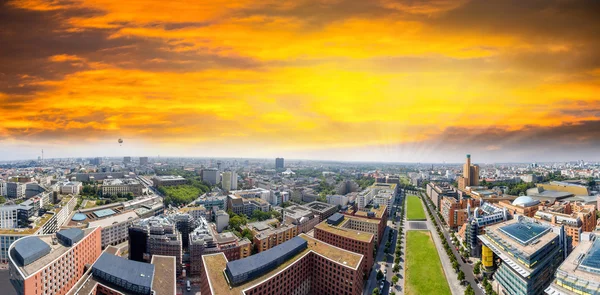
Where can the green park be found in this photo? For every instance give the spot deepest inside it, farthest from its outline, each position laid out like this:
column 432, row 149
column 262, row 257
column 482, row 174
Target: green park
column 424, row 274
column 414, row 208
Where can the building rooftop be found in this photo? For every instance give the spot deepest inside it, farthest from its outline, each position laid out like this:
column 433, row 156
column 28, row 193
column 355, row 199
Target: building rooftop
column 335, row 219
column 56, row 250
column 379, row 211
column 243, row 270
column 169, row 177
column 524, row 233
column 215, row 265
column 104, row 212
column 134, row 272
column 319, row 206
column 121, row 181
column 345, row 232
column 32, row 250
column 113, row 219
column 582, row 267
column 164, row 275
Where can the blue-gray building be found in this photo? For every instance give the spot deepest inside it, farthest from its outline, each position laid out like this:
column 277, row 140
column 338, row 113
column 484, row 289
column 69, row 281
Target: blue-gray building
column 529, row 253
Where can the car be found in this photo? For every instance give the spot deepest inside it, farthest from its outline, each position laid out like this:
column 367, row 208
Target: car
column 385, row 271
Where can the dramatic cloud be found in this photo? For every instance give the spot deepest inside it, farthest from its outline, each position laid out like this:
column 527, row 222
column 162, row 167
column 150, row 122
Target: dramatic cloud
column 335, row 79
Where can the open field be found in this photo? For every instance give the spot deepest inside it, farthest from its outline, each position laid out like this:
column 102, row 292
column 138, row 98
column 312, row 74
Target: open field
column 414, row 210
column 424, row 274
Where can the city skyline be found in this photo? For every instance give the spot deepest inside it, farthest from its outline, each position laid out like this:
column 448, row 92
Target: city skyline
column 386, row 81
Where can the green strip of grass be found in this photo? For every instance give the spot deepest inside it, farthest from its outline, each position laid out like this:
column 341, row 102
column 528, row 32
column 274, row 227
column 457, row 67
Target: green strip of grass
column 424, row 274
column 414, row 208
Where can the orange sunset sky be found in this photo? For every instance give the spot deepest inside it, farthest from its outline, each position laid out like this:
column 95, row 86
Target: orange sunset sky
column 377, row 80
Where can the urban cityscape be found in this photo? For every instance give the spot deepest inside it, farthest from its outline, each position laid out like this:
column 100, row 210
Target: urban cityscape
column 279, row 226
column 308, row 147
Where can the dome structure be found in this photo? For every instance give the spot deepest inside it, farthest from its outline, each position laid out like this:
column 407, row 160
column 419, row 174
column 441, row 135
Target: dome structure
column 525, row 201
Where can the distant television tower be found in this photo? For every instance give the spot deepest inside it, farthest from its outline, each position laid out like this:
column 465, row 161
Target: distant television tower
column 42, row 155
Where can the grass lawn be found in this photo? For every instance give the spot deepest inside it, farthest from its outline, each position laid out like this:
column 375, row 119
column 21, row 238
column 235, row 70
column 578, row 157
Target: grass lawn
column 414, row 208
column 424, row 274
column 90, row 204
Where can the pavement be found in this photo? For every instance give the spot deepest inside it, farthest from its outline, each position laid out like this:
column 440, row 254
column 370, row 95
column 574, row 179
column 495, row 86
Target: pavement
column 465, row 267
column 5, row 285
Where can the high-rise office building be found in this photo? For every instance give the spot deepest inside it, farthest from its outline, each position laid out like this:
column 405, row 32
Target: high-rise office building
column 126, row 159
column 580, row 273
column 229, row 180
column 279, row 163
column 156, row 235
column 470, row 175
column 530, row 252
column 143, row 161
column 210, row 175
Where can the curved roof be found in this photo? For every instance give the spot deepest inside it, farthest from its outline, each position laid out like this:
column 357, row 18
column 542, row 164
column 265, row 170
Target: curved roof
column 78, row 217
column 525, row 201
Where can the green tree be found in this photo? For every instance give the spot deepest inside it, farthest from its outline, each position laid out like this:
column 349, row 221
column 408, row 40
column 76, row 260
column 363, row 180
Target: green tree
column 477, row 268
column 469, row 290
column 379, row 275
column 375, row 291
column 2, row 200
column 395, row 279
column 461, row 276
column 236, row 222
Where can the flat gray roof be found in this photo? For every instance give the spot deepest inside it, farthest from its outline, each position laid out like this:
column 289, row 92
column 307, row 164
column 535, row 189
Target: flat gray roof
column 134, row 272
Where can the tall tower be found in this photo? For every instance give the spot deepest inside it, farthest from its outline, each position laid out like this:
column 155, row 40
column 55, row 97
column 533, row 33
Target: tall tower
column 467, row 169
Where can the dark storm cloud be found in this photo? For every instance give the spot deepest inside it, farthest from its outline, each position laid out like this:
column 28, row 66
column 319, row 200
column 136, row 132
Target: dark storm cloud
column 585, row 133
column 555, row 19
column 30, row 38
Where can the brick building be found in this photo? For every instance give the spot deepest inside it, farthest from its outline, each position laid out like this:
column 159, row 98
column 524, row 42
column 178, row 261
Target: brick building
column 52, row 264
column 302, row 265
column 347, row 239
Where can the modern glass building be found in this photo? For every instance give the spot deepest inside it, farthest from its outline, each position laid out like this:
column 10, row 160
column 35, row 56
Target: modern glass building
column 529, row 253
column 580, row 273
column 484, row 215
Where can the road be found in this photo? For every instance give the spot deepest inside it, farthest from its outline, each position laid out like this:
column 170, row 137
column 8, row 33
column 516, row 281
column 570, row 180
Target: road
column 465, row 267
column 383, row 260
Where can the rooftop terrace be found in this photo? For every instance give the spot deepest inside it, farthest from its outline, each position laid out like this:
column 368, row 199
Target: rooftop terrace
column 345, row 232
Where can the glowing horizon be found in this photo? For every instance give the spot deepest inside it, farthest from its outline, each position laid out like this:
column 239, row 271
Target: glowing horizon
column 403, row 81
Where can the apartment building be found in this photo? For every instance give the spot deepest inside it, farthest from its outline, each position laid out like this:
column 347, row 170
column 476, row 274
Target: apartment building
column 168, row 180
column 70, row 187
column 523, row 205
column 115, row 228
column 456, row 213
column 575, row 223
column 355, row 241
column 156, row 235
column 300, row 216
column 52, row 264
column 123, row 186
column 206, row 240
column 270, row 233
column 302, row 265
column 324, row 210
